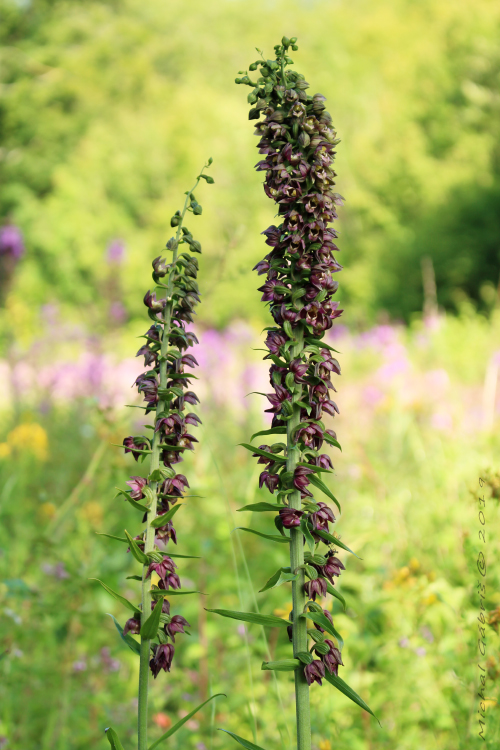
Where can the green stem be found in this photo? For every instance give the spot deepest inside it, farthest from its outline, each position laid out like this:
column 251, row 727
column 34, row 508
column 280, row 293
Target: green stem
column 161, row 409
column 298, row 593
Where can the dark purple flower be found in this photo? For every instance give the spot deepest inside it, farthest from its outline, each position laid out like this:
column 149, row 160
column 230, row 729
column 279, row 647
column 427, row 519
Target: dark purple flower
column 321, row 518
column 290, row 517
column 149, row 355
column 299, row 370
column 274, row 341
column 324, row 461
column 137, row 485
column 333, row 567
column 139, row 443
column 328, row 617
column 132, row 626
column 301, row 481
column 270, row 480
column 314, row 672
column 333, row 658
column 154, row 304
column 163, row 568
column 162, row 659
column 176, row 625
column 316, row 587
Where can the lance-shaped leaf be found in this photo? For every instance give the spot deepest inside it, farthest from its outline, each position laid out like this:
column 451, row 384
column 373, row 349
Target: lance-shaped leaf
column 176, row 554
column 329, row 439
column 320, row 619
column 119, row 598
column 282, row 575
column 266, row 454
column 284, row 665
column 305, row 530
column 131, row 642
column 322, row 344
column 333, row 540
column 271, row 537
column 160, row 521
column 180, row 723
column 150, row 627
column 137, row 553
column 136, row 450
column 110, row 536
column 113, row 739
column 158, row 593
column 271, row 431
column 322, row 486
column 130, row 500
column 261, row 507
column 339, row 683
column 246, row 743
column 333, row 591
column 269, row 621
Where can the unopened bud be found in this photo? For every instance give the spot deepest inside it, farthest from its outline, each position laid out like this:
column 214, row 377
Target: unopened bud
column 285, row 41
column 176, row 219
column 304, row 140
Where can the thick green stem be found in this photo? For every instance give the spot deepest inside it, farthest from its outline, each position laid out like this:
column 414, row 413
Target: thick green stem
column 298, row 593
column 161, row 409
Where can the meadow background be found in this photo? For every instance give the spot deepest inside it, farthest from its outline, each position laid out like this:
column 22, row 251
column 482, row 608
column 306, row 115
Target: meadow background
column 107, row 111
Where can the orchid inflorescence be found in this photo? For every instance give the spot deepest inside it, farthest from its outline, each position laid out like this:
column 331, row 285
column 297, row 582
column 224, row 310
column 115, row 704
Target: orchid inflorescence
column 166, row 390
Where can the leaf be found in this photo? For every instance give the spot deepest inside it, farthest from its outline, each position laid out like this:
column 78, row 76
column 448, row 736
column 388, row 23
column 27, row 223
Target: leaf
column 246, row 743
column 320, row 619
column 284, row 665
column 266, row 454
column 321, row 344
column 332, row 441
column 110, row 536
column 150, row 627
column 322, row 486
column 333, row 591
column 269, row 621
column 131, row 642
column 113, row 739
column 281, row 576
column 137, row 505
column 339, row 683
column 136, row 450
column 137, row 553
column 271, row 431
column 119, row 598
column 180, row 723
column 261, row 507
column 333, row 540
column 155, row 593
column 175, row 554
column 305, row 530
column 159, row 521
column 271, row 537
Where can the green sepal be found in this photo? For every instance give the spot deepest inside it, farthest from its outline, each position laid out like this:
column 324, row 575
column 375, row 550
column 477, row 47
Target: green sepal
column 113, row 739
column 119, row 598
column 261, row 507
column 266, row 454
column 344, row 688
column 322, row 486
column 133, row 578
column 150, row 627
column 336, row 542
column 283, row 665
column 320, row 619
column 271, row 431
column 305, row 657
column 269, row 621
column 333, row 591
column 137, row 553
column 282, row 575
column 180, row 723
column 271, row 537
column 160, row 521
column 131, row 642
column 246, row 743
column 305, row 530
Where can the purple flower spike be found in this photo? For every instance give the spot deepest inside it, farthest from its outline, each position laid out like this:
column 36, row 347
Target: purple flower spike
column 162, row 659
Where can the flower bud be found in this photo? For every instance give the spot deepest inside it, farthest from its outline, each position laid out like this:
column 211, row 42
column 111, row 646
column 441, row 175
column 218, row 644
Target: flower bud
column 304, row 140
column 285, row 41
column 176, row 219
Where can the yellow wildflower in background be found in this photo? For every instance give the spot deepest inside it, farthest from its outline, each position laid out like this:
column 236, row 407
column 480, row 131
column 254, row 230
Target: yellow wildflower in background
column 30, row 438
column 47, row 510
column 92, row 512
column 325, row 745
column 5, row 450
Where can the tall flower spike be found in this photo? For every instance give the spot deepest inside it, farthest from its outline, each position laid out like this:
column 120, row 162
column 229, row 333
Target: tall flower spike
column 164, row 387
column 297, row 145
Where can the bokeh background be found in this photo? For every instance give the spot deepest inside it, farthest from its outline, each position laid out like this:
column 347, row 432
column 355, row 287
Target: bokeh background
column 107, row 111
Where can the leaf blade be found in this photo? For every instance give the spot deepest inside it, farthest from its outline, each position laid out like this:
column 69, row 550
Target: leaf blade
column 253, row 618
column 343, row 687
column 246, row 743
column 271, row 537
column 277, row 579
column 118, row 598
column 136, row 647
column 322, row 486
column 112, row 738
column 150, row 627
column 179, row 724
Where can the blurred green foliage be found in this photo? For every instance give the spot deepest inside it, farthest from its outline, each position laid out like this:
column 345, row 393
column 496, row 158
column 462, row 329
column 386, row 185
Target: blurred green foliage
column 109, row 108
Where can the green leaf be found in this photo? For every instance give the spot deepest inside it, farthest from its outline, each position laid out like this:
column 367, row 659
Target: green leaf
column 155, row 593
column 320, row 619
column 332, row 441
column 269, row 621
column 159, row 521
column 110, row 536
column 333, row 591
column 266, row 454
column 322, row 344
column 131, row 642
column 284, row 665
column 271, row 537
column 261, row 507
column 119, row 598
column 281, row 576
column 333, row 540
column 322, row 486
column 180, row 723
column 113, row 739
column 246, row 743
column 305, row 530
column 137, row 505
column 339, row 683
column 137, row 553
column 271, row 431
column 136, row 450
column 175, row 554
column 150, row 627
column 305, row 657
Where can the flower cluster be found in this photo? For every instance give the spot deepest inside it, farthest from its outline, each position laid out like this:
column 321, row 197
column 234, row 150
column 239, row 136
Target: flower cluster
column 297, row 145
column 11, row 251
